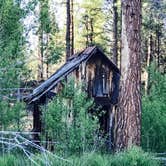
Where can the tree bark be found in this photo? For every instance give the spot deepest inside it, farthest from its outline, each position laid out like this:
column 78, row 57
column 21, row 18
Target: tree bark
column 158, row 46
column 148, row 62
column 72, row 28
column 91, row 32
column 86, row 18
column 41, row 56
column 68, row 23
column 47, row 56
column 128, row 125
column 69, row 28
column 115, row 32
column 89, row 26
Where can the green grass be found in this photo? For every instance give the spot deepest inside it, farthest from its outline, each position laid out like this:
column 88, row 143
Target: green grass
column 132, row 157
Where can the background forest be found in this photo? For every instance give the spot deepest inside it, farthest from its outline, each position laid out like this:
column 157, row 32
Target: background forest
column 37, row 36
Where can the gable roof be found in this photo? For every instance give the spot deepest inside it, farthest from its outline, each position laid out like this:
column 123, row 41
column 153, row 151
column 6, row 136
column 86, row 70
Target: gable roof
column 72, row 63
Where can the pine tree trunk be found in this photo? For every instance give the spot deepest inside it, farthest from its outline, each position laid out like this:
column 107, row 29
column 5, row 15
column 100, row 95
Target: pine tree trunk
column 72, row 29
column 47, row 60
column 148, row 62
column 87, row 29
column 40, row 56
column 129, row 108
column 68, row 23
column 158, row 46
column 91, row 32
column 115, row 32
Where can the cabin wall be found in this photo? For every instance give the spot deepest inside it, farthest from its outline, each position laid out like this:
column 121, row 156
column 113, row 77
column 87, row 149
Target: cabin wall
column 98, row 77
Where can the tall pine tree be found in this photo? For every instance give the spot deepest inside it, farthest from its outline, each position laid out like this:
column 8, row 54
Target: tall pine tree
column 129, row 109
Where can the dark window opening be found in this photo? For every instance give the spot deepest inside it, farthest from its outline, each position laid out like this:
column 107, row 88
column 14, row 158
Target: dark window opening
column 101, row 83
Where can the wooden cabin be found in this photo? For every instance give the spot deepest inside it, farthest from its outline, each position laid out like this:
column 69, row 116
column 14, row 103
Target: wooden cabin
column 91, row 67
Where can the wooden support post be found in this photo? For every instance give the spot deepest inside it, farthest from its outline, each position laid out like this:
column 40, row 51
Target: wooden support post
column 36, row 122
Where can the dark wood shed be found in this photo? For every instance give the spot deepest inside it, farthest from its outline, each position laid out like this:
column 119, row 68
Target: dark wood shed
column 95, row 70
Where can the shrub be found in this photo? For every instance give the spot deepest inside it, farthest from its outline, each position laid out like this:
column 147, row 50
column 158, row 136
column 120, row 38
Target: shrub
column 11, row 115
column 68, row 122
column 133, row 157
column 13, row 160
column 91, row 159
column 154, row 113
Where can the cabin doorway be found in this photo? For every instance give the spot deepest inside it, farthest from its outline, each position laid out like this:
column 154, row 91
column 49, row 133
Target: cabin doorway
column 103, row 119
column 106, row 121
